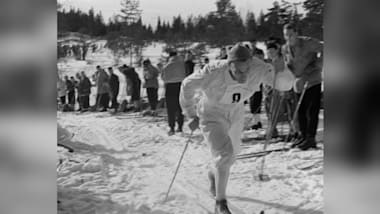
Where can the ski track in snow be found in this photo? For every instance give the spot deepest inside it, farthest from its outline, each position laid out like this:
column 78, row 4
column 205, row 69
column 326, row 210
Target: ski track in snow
column 123, row 164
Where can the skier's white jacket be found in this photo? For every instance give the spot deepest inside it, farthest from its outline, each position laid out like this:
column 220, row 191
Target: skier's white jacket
column 213, row 96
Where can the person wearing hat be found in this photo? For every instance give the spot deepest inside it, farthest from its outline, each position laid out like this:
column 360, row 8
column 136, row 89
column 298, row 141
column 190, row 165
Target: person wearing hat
column 133, row 85
column 189, row 64
column 151, row 84
column 219, row 109
column 102, row 88
column 173, row 74
column 114, row 88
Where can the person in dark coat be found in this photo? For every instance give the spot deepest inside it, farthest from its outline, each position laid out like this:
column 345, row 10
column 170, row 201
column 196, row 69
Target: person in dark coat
column 151, row 83
column 304, row 58
column 102, row 84
column 133, row 84
column 173, row 74
column 77, row 81
column 114, row 87
column 84, row 91
column 223, row 53
column 189, row 64
column 84, row 53
column 70, row 86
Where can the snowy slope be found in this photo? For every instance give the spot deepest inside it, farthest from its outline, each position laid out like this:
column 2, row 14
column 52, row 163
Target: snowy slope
column 124, row 164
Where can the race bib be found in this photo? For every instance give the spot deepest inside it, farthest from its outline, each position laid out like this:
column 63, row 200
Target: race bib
column 235, row 94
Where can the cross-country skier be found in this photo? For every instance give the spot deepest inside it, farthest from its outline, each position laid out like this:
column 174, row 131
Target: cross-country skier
column 219, row 111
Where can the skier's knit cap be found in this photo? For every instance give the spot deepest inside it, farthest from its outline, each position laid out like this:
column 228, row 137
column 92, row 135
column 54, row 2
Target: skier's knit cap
column 238, row 53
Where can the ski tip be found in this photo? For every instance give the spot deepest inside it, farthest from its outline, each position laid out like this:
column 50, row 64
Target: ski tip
column 262, row 212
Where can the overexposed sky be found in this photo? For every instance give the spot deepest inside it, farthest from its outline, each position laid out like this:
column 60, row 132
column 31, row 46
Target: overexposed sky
column 166, row 9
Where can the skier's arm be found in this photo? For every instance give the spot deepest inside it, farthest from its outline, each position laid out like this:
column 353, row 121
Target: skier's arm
column 190, row 86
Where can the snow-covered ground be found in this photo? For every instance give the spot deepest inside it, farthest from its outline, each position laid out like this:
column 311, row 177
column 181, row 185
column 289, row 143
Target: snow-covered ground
column 123, row 164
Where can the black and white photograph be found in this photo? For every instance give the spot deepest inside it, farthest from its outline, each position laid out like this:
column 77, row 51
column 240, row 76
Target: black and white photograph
column 191, row 107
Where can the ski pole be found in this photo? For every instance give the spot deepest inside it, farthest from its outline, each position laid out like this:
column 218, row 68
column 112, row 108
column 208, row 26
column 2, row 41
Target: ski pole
column 178, row 165
column 298, row 106
column 262, row 176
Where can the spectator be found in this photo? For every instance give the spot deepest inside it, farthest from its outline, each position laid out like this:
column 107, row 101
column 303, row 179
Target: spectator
column 84, row 91
column 255, row 106
column 189, row 64
column 114, row 88
column 223, row 53
column 77, row 81
column 172, row 74
column 133, row 85
column 273, row 96
column 102, row 84
column 151, row 83
column 301, row 57
column 256, row 51
column 70, row 91
column 259, row 54
column 84, row 53
column 62, row 90
column 205, row 62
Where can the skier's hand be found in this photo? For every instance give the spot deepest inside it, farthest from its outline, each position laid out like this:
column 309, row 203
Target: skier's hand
column 299, row 84
column 194, row 123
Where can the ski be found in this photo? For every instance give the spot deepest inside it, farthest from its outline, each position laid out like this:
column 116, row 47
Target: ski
column 259, row 154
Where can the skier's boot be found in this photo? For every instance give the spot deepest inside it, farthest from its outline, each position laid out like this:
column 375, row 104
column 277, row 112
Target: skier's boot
column 211, row 177
column 221, row 207
column 171, row 132
column 297, row 142
column 256, row 126
column 309, row 143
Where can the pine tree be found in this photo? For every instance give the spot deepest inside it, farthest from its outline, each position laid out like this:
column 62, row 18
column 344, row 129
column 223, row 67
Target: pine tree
column 226, row 23
column 251, row 26
column 158, row 32
column 189, row 31
column 130, row 12
column 312, row 24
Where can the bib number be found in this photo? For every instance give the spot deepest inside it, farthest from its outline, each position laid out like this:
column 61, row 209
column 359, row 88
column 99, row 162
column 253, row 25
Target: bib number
column 235, row 94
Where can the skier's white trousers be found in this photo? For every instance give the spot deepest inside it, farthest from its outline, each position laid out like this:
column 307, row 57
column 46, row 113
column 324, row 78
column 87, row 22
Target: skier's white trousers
column 222, row 128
